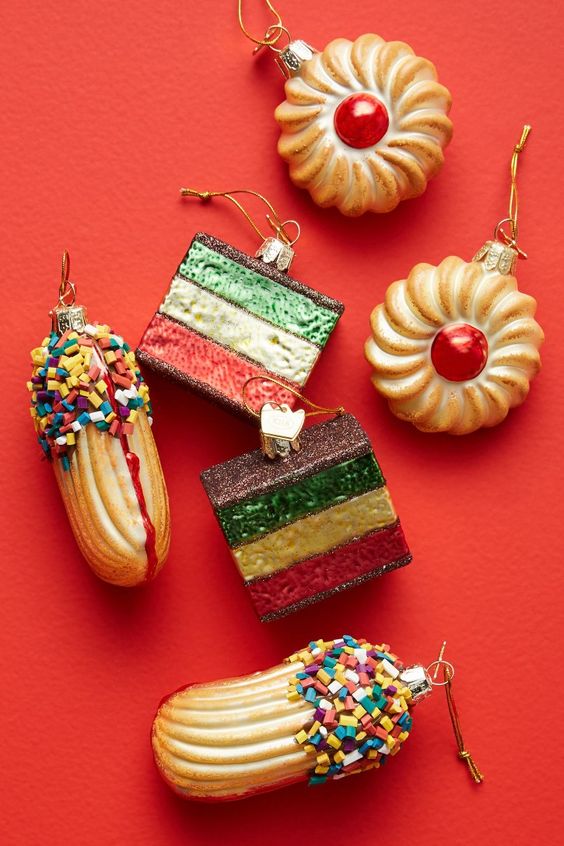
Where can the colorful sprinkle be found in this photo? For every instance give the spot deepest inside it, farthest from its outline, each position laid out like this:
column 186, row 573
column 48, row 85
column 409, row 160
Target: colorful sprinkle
column 363, row 714
column 74, row 383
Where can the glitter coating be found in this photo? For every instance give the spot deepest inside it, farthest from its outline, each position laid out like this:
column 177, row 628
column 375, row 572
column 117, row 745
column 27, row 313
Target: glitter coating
column 259, row 515
column 249, row 475
column 315, row 534
column 258, row 294
column 317, row 578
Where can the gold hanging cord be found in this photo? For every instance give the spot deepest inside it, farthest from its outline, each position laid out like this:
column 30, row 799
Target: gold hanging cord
column 273, row 33
column 67, row 289
column 448, row 675
column 279, row 227
column 316, row 409
column 510, row 238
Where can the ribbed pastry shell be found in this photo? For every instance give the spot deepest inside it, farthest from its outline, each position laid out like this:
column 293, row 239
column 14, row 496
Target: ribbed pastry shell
column 103, row 508
column 232, row 738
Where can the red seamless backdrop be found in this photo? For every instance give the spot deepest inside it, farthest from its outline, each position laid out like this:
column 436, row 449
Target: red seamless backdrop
column 107, row 109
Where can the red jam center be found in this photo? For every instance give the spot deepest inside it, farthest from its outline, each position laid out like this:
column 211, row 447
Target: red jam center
column 459, row 352
column 361, row 120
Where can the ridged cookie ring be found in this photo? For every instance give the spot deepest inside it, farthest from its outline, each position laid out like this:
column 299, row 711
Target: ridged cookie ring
column 364, row 124
column 454, row 347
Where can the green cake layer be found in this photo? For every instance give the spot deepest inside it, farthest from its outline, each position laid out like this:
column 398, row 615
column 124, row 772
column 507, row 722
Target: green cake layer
column 258, row 294
column 259, row 515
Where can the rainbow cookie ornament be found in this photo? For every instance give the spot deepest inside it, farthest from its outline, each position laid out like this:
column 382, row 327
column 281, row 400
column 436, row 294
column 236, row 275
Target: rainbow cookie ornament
column 227, row 317
column 333, row 709
column 92, row 414
column 454, row 347
column 309, row 514
column 364, row 123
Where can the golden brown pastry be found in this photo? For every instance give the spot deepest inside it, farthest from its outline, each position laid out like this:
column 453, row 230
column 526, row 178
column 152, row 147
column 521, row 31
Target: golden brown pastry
column 364, row 123
column 454, row 347
column 332, row 709
column 91, row 410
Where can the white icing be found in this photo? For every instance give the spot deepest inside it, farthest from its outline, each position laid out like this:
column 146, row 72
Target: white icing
column 280, row 352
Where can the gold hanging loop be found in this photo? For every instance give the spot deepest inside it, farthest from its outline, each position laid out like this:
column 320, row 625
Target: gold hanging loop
column 280, row 229
column 276, row 224
column 316, row 409
column 448, row 676
column 67, row 289
column 273, row 32
column 513, row 196
column 500, row 234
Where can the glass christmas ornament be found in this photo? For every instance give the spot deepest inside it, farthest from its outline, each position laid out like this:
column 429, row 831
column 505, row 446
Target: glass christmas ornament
column 93, row 416
column 309, row 514
column 227, row 317
column 364, row 123
column 333, row 709
column 454, row 347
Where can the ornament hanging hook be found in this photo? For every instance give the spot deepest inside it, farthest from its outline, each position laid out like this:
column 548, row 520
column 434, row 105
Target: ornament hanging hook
column 276, row 224
column 500, row 234
column 448, row 675
column 67, row 289
column 280, row 232
column 272, row 34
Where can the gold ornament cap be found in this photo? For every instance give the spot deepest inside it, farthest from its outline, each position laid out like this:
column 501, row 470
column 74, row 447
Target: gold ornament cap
column 498, row 256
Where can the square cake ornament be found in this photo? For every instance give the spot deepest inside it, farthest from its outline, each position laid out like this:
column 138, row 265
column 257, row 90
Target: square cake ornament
column 311, row 522
column 228, row 317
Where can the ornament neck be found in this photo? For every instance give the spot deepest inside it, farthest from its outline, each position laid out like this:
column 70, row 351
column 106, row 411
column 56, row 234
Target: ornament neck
column 498, row 256
column 291, row 59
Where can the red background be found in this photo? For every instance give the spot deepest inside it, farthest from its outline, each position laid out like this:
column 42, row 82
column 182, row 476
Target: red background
column 107, row 110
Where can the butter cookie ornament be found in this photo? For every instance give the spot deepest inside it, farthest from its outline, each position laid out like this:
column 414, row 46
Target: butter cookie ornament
column 364, row 123
column 454, row 347
column 92, row 414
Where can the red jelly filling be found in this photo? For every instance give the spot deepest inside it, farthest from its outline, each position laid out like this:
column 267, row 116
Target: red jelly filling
column 361, row 120
column 459, row 352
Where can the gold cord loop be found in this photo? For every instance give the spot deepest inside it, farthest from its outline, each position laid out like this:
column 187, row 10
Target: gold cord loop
column 67, row 289
column 273, row 32
column 316, row 409
column 278, row 226
column 448, row 675
column 500, row 234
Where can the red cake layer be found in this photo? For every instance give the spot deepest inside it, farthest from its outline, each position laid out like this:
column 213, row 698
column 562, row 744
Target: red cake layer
column 206, row 366
column 318, row 577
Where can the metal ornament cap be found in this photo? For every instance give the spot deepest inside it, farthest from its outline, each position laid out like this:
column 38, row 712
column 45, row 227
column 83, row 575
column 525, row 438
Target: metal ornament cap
column 68, row 318
column 497, row 256
column 274, row 251
column 280, row 429
column 417, row 679
column 293, row 56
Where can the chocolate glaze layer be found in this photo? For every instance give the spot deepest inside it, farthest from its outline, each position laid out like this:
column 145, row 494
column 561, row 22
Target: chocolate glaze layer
column 251, row 474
